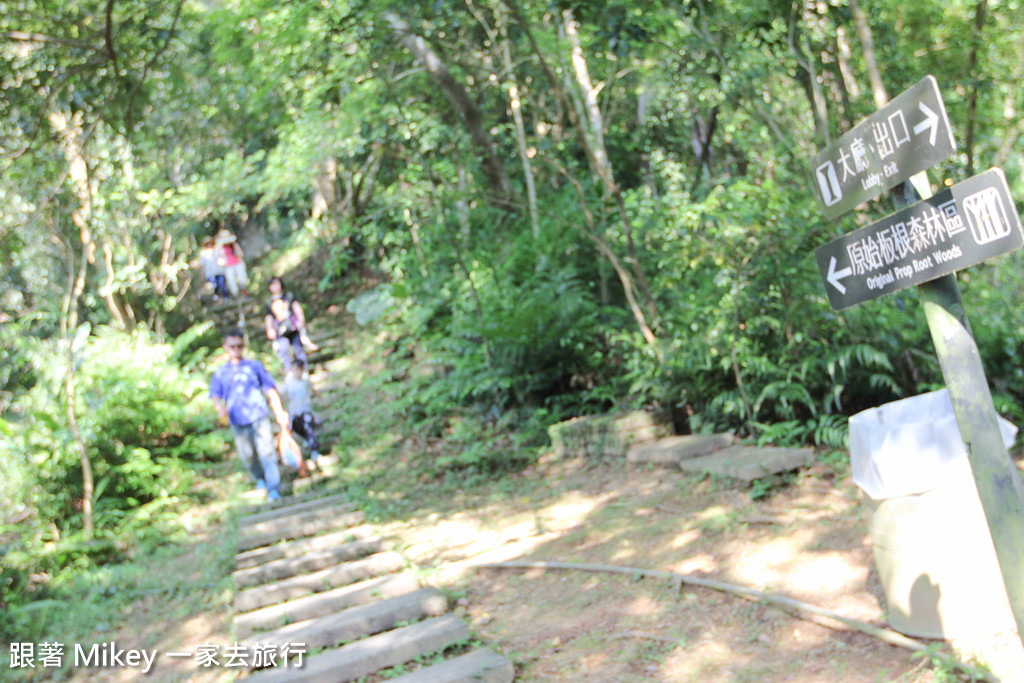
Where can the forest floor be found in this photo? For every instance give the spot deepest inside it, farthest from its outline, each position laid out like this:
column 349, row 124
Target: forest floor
column 807, row 541
column 805, row 537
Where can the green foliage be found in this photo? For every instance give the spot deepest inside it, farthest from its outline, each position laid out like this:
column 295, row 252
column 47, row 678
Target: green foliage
column 145, row 426
column 532, row 342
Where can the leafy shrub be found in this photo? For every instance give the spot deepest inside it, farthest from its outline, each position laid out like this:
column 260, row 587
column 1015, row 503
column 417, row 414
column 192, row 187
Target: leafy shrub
column 142, row 418
column 751, row 344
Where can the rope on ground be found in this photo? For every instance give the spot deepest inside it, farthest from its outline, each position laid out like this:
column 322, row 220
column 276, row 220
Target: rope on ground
column 802, row 609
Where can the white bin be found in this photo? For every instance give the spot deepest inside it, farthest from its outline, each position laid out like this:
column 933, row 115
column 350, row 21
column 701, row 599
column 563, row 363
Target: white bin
column 932, row 547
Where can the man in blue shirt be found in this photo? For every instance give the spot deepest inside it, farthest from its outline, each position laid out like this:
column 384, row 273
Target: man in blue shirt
column 238, row 389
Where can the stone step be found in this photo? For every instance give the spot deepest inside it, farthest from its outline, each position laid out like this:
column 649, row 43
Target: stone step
column 310, row 528
column 364, row 657
column 319, row 477
column 324, row 354
column 292, row 518
column 675, row 449
column 315, row 582
column 325, row 337
column 338, row 364
column 277, row 513
column 478, row 666
column 292, row 491
column 356, row 622
column 750, row 462
column 327, row 461
column 608, row 435
column 328, row 602
column 270, row 553
column 308, row 562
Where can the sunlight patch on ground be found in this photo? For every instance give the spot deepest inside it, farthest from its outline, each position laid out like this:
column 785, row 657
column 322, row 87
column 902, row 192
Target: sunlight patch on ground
column 490, row 534
column 702, row 563
column 642, row 605
column 707, row 660
column 684, row 539
column 470, row 533
column 777, row 564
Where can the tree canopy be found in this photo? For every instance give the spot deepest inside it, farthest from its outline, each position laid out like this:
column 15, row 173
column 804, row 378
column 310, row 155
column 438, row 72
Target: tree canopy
column 574, row 206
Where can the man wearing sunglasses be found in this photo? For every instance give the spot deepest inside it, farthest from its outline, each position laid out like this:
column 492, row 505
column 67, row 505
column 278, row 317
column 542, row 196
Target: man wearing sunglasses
column 240, row 390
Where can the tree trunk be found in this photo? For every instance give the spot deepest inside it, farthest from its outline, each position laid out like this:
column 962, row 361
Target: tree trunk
column 325, row 194
column 465, row 107
column 461, row 205
column 808, row 76
column 502, row 48
column 69, row 130
column 599, row 155
column 972, row 99
column 108, row 287
column 590, row 105
column 868, row 44
column 703, row 133
column 524, row 157
column 68, row 326
column 72, row 144
column 363, row 190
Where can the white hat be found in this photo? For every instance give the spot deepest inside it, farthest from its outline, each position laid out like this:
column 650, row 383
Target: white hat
column 225, row 237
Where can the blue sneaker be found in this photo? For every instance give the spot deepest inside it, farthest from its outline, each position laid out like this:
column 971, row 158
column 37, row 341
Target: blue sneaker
column 260, row 484
column 272, row 496
column 314, row 456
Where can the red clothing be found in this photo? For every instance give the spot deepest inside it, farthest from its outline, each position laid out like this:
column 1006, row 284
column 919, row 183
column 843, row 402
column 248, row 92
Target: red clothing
column 230, row 259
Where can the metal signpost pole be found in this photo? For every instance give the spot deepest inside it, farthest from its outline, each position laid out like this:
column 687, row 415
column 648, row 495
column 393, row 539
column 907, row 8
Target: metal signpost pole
column 998, row 481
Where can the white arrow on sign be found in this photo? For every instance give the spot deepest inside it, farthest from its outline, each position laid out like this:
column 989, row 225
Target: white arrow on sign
column 834, row 276
column 931, row 120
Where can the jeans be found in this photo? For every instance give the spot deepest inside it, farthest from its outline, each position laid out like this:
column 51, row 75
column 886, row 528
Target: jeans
column 256, row 449
column 285, row 347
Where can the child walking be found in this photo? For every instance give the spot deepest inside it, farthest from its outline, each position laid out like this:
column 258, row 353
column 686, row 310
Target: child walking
column 299, row 392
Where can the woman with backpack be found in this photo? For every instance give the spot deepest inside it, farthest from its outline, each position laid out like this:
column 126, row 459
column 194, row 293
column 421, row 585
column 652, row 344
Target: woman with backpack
column 286, row 325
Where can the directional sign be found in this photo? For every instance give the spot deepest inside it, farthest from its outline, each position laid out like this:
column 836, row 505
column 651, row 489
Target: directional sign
column 908, row 135
column 959, row 227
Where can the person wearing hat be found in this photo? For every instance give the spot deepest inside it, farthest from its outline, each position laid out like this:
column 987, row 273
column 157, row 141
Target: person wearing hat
column 234, row 266
column 213, row 272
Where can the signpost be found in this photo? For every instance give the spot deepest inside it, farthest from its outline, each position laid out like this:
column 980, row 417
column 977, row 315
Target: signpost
column 907, row 136
column 959, row 227
column 924, row 243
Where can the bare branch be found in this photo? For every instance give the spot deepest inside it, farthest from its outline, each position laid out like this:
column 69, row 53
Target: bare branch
column 108, row 39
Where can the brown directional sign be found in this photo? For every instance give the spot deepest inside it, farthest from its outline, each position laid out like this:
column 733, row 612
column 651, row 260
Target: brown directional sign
column 908, row 135
column 959, row 227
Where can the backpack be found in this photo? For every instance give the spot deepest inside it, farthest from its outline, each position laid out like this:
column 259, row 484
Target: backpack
column 287, row 327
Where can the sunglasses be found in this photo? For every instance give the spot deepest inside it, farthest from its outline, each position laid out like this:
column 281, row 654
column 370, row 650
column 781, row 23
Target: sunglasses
column 235, row 346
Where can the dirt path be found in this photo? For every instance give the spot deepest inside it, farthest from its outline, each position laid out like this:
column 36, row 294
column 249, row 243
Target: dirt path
column 807, row 541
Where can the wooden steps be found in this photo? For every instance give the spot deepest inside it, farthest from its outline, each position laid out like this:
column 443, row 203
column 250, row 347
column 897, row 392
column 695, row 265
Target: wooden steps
column 312, row 577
